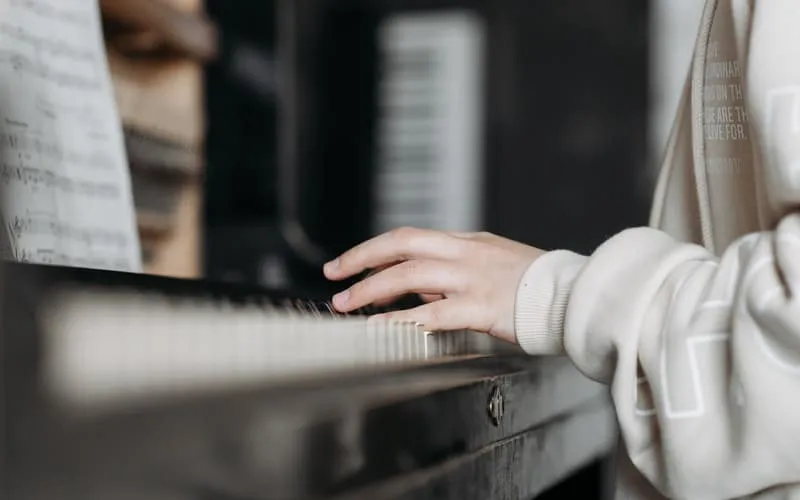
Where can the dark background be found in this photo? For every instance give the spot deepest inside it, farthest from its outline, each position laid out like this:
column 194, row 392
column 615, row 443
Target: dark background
column 565, row 121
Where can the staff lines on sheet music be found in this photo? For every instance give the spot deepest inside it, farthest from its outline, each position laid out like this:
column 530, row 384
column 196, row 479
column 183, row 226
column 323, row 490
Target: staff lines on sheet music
column 26, row 225
column 46, row 45
column 37, row 178
column 54, row 111
column 28, row 143
column 74, row 17
column 61, row 146
column 63, row 79
column 57, row 258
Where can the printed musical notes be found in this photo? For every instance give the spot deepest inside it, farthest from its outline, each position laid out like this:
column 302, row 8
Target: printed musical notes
column 46, row 179
column 52, row 151
column 21, row 63
column 65, row 192
column 53, row 10
column 58, row 48
column 90, row 237
column 56, row 258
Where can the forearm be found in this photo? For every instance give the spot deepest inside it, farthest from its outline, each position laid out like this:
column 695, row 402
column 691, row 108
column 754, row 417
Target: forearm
column 698, row 351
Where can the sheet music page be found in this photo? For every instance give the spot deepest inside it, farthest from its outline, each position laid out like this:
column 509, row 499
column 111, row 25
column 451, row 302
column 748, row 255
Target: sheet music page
column 66, row 190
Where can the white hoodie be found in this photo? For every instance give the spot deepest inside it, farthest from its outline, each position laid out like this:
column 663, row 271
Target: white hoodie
column 695, row 323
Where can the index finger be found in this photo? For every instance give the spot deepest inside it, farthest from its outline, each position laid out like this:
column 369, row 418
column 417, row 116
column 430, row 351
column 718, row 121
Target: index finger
column 394, row 246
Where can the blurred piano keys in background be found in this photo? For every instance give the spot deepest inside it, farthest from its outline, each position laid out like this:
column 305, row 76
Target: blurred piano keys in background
column 430, row 118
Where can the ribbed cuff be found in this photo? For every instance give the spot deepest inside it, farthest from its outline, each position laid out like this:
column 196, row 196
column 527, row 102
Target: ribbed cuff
column 541, row 302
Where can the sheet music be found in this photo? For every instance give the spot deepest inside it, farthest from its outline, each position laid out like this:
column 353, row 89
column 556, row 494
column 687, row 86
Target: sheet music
column 66, row 190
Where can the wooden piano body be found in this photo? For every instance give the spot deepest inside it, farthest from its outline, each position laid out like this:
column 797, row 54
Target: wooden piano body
column 493, row 425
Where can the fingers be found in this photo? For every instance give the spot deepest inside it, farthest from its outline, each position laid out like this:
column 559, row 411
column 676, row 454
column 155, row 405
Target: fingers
column 389, row 300
column 397, row 245
column 424, row 297
column 442, row 315
column 430, row 297
column 385, row 302
column 416, row 276
column 471, row 236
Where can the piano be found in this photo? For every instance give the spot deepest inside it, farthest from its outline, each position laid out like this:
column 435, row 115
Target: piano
column 123, row 386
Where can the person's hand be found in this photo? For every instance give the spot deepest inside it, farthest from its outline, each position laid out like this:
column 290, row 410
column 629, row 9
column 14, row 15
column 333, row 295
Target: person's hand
column 468, row 280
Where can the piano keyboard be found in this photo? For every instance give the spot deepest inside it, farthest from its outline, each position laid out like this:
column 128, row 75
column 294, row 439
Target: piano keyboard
column 112, row 346
column 429, row 158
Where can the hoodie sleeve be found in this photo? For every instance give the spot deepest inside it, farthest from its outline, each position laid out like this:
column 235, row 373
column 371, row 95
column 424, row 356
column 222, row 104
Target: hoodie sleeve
column 702, row 354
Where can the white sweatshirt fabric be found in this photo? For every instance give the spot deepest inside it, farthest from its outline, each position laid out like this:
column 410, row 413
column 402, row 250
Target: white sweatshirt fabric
column 695, row 321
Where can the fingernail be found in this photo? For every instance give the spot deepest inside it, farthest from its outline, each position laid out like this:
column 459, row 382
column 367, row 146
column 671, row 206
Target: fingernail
column 331, row 266
column 340, row 299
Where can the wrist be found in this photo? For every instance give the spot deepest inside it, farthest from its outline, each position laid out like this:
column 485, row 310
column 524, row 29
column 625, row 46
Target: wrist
column 542, row 299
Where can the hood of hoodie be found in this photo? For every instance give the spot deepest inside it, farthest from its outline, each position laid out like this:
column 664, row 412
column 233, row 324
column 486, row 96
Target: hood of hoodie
column 732, row 164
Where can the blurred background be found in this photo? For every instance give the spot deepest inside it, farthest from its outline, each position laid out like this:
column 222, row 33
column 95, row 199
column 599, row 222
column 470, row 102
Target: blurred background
column 265, row 136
